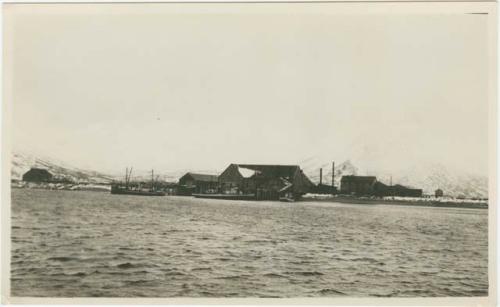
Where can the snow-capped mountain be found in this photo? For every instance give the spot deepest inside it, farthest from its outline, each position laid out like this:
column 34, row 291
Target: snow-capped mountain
column 22, row 161
column 453, row 182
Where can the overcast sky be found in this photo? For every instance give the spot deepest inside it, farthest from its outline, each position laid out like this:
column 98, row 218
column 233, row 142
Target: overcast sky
column 190, row 91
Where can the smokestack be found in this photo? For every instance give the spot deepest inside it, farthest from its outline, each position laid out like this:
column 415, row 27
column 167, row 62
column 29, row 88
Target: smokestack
column 320, row 176
column 333, row 174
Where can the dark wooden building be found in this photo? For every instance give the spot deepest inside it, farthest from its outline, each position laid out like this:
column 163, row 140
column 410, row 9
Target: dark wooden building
column 382, row 190
column 369, row 186
column 37, row 175
column 324, row 189
column 400, row 190
column 264, row 181
column 438, row 193
column 358, row 185
column 192, row 183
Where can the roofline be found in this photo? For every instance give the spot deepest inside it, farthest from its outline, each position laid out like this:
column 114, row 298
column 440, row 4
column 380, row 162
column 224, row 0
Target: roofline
column 191, row 173
column 254, row 164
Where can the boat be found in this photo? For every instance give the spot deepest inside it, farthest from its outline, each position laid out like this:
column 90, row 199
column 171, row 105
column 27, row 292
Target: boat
column 127, row 189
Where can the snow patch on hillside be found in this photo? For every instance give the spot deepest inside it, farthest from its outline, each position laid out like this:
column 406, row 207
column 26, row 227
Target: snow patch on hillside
column 22, row 162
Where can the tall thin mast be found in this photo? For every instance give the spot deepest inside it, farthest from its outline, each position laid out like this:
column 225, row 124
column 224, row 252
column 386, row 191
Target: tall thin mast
column 129, row 176
column 126, row 177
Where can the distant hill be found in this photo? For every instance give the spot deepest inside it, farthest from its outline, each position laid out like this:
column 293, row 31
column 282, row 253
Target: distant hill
column 453, row 182
column 22, row 162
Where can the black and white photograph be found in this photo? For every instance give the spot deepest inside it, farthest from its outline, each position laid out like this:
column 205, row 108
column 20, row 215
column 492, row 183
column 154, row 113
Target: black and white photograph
column 316, row 150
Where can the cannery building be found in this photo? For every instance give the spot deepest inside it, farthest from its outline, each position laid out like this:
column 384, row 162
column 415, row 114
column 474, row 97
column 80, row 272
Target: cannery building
column 264, row 181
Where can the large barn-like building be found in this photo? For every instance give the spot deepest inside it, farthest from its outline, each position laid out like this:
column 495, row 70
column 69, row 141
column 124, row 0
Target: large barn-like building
column 37, row 175
column 264, row 181
column 192, row 183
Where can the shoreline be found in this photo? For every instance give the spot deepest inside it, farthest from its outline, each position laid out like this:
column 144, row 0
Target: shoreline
column 414, row 203
column 323, row 198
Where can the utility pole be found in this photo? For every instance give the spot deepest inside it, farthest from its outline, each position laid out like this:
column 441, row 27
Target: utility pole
column 320, row 176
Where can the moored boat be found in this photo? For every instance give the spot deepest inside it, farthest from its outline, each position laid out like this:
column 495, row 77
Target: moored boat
column 127, row 189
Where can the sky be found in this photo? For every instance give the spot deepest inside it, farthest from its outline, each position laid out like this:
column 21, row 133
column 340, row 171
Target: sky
column 175, row 90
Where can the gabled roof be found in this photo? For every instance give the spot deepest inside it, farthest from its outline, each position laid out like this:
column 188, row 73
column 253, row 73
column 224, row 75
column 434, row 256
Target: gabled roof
column 202, row 177
column 291, row 176
column 271, row 170
column 246, row 172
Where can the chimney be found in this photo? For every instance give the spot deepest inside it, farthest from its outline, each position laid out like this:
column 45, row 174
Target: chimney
column 320, row 176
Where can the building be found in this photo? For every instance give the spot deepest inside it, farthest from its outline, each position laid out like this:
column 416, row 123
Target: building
column 324, row 189
column 358, row 185
column 438, row 193
column 37, row 175
column 402, row 191
column 383, row 190
column 264, row 181
column 192, row 183
column 369, row 186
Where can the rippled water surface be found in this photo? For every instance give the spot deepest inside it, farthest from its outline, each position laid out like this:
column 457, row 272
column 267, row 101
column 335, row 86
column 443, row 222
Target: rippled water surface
column 70, row 244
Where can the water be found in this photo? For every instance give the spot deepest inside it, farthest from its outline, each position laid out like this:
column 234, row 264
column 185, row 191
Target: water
column 69, row 244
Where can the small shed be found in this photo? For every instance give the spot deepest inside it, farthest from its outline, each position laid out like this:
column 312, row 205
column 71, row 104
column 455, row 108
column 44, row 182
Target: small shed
column 438, row 193
column 37, row 175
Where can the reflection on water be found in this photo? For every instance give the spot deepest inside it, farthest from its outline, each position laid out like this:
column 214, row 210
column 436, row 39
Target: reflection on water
column 71, row 244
